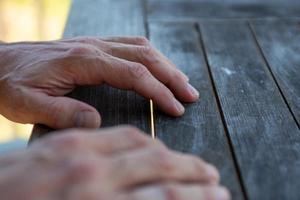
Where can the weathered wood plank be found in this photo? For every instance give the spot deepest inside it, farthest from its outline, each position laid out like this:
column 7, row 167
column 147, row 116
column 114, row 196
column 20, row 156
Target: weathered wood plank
column 174, row 10
column 280, row 43
column 264, row 135
column 200, row 130
column 107, row 18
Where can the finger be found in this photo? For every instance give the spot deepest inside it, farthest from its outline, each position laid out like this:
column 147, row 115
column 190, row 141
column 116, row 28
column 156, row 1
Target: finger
column 99, row 67
column 105, row 141
column 33, row 180
column 88, row 191
column 131, row 75
column 139, row 50
column 159, row 66
column 120, row 140
column 179, row 192
column 147, row 166
column 137, row 40
column 63, row 112
column 105, row 43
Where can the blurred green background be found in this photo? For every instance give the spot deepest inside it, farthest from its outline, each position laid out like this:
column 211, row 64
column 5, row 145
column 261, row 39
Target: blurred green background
column 32, row 20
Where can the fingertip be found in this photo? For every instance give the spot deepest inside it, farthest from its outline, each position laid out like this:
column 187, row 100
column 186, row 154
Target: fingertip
column 184, row 91
column 213, row 174
column 179, row 109
column 173, row 107
column 193, row 92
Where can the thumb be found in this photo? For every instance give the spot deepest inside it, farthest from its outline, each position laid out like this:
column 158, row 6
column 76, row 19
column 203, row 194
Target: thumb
column 65, row 112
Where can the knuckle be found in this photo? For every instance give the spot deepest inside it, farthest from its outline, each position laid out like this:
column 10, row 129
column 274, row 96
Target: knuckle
column 163, row 92
column 81, row 50
column 213, row 174
column 43, row 156
column 138, row 70
column 17, row 100
column 164, row 160
column 88, row 40
column 146, row 51
column 149, row 55
column 131, row 131
column 72, row 140
column 65, row 141
column 134, row 134
column 82, row 169
column 176, row 75
column 142, row 40
column 128, row 129
column 198, row 162
column 53, row 112
column 171, row 192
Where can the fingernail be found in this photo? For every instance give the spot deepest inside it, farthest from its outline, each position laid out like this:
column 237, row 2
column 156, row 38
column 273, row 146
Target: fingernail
column 86, row 119
column 193, row 91
column 179, row 107
column 222, row 194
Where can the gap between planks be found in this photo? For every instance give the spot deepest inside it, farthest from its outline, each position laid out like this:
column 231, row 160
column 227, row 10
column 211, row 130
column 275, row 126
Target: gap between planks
column 238, row 171
column 260, row 50
column 146, row 26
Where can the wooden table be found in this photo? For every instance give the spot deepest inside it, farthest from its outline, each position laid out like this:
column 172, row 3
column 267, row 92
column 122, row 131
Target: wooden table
column 244, row 58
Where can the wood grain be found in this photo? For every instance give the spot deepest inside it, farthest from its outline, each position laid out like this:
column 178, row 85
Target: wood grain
column 108, row 18
column 264, row 135
column 280, row 43
column 200, row 130
column 174, row 10
column 246, row 120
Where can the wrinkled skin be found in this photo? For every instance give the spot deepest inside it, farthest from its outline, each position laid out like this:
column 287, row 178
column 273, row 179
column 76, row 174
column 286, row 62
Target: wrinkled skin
column 35, row 76
column 110, row 164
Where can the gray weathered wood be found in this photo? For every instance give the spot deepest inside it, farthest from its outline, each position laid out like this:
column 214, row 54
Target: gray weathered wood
column 264, row 135
column 200, row 130
column 280, row 43
column 108, row 18
column 248, row 131
column 174, row 10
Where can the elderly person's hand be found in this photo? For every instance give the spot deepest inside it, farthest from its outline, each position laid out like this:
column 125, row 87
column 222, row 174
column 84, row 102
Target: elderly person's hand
column 35, row 76
column 110, row 164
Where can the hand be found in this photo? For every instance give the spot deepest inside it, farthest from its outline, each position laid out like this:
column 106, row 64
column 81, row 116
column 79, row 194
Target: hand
column 35, row 76
column 120, row 164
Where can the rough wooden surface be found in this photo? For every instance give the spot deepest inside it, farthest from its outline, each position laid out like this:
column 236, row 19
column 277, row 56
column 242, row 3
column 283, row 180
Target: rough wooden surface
column 247, row 120
column 264, row 134
column 109, row 18
column 280, row 43
column 200, row 131
column 174, row 10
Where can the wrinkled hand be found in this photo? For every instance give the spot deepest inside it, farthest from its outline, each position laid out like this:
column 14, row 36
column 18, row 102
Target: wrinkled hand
column 120, row 164
column 35, row 76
